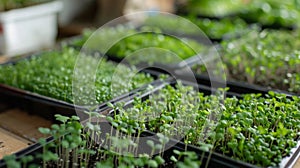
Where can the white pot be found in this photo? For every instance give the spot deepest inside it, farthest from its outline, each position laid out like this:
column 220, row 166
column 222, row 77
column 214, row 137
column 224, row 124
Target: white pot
column 28, row 29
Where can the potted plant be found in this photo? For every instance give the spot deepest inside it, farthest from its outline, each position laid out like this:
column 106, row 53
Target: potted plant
column 20, row 25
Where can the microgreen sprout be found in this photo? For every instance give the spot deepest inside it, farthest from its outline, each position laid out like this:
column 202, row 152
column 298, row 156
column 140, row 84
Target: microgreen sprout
column 257, row 129
column 146, row 38
column 259, row 58
column 51, row 74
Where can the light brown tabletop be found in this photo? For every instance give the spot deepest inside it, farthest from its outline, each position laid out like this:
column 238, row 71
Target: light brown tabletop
column 18, row 130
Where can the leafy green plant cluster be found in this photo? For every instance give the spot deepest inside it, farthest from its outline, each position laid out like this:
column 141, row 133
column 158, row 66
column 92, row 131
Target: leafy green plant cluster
column 216, row 8
column 258, row 129
column 265, row 12
column 268, row 58
column 182, row 49
column 214, row 29
column 160, row 113
column 157, row 46
column 75, row 145
column 272, row 12
column 51, row 74
column 101, row 38
column 13, row 4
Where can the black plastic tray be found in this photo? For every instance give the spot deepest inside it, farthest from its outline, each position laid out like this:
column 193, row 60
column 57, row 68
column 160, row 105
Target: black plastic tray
column 46, row 107
column 210, row 159
column 25, row 101
column 176, row 70
column 43, row 106
column 35, row 103
column 33, row 149
column 202, row 39
column 241, row 15
column 11, row 98
column 217, row 160
column 55, row 103
column 205, row 39
column 32, row 102
column 167, row 67
column 235, row 86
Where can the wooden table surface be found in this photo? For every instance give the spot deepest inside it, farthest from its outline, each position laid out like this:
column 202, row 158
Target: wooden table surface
column 3, row 59
column 297, row 165
column 10, row 143
column 18, row 130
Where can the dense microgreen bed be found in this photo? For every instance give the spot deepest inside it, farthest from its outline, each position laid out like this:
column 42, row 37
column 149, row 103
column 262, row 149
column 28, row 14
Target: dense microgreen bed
column 265, row 12
column 217, row 8
column 272, row 12
column 180, row 49
column 96, row 40
column 74, row 145
column 218, row 29
column 51, row 74
column 162, row 48
column 269, row 58
column 12, row 4
column 214, row 29
column 257, row 129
